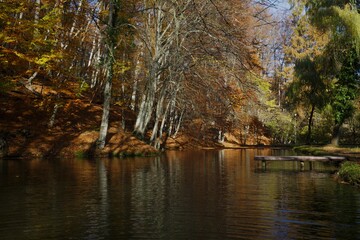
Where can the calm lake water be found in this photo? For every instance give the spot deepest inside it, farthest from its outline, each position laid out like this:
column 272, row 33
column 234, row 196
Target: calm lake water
column 180, row 195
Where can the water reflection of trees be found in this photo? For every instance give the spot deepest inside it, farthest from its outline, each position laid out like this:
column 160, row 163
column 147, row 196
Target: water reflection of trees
column 190, row 194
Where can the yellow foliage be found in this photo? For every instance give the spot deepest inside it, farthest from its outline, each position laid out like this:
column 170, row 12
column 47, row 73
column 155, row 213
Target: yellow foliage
column 307, row 41
column 121, row 67
column 47, row 58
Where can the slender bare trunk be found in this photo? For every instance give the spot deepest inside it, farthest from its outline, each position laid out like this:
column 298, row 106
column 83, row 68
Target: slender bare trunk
column 53, row 115
column 177, row 128
column 172, row 113
column 308, row 137
column 96, row 73
column 135, row 86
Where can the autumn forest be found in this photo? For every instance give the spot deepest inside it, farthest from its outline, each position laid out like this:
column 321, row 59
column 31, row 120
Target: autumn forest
column 178, row 72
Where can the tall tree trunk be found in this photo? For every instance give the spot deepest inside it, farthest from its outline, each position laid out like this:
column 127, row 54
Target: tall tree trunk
column 308, row 137
column 110, row 47
column 106, row 111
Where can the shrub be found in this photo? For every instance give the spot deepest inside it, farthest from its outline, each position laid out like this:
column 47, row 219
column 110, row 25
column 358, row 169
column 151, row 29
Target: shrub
column 350, row 173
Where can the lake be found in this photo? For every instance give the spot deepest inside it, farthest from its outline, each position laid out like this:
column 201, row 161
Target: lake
column 179, row 195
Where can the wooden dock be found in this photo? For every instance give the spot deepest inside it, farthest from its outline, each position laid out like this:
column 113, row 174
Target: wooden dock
column 300, row 159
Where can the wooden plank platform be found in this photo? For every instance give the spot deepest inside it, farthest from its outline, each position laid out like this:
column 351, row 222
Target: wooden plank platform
column 301, row 158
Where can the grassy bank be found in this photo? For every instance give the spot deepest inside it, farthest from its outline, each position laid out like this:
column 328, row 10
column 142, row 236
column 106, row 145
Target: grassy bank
column 352, row 153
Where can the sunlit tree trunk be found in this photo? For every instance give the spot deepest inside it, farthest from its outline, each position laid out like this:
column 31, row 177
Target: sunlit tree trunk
column 96, row 72
column 110, row 39
column 146, row 106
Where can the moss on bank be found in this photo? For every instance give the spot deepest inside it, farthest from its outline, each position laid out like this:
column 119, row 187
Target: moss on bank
column 350, row 173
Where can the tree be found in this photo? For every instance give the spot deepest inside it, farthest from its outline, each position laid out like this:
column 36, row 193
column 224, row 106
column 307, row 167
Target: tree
column 342, row 53
column 202, row 45
column 308, row 88
column 110, row 43
column 326, row 36
column 346, row 89
column 164, row 62
column 161, row 32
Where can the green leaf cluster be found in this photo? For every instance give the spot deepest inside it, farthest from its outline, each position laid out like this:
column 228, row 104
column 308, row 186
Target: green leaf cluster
column 346, row 88
column 281, row 126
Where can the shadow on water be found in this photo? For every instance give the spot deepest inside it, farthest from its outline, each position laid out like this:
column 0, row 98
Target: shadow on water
column 179, row 195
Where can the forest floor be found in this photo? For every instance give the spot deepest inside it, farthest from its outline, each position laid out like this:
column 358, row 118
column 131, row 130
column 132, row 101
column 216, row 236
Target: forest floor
column 25, row 121
column 25, row 118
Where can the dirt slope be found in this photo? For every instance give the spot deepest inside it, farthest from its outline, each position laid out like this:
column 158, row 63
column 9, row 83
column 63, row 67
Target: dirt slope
column 25, row 117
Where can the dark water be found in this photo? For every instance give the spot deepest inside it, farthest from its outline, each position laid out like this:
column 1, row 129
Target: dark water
column 181, row 195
